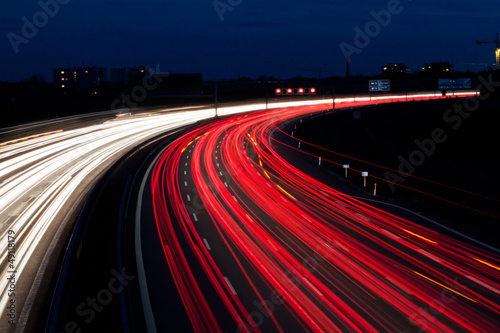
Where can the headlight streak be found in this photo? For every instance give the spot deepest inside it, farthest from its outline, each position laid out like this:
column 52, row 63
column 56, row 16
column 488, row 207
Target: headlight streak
column 337, row 263
column 40, row 176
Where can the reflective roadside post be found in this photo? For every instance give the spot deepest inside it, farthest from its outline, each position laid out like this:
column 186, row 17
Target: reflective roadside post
column 346, row 166
column 364, row 174
column 333, row 98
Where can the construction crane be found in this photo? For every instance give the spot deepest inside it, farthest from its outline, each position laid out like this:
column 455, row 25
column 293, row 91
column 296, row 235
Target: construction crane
column 497, row 50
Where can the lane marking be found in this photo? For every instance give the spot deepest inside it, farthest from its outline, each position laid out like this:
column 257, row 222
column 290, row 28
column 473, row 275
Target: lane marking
column 29, row 138
column 397, row 285
column 288, row 194
column 340, row 204
column 230, row 285
column 483, row 284
column 189, row 197
column 487, row 264
column 427, row 254
column 195, row 217
column 363, row 217
column 417, row 235
column 206, row 244
column 431, row 221
column 305, row 218
column 341, row 246
column 313, row 287
column 274, row 247
column 9, row 219
column 186, row 184
column 390, row 234
column 443, row 286
column 30, row 200
column 143, row 286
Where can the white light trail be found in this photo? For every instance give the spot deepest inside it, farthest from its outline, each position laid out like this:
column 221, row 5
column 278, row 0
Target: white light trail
column 41, row 175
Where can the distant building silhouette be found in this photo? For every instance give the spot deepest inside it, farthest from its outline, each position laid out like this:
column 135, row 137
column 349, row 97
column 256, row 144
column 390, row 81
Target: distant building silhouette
column 133, row 76
column 438, row 69
column 118, row 76
column 155, row 82
column 81, row 78
column 395, row 70
column 137, row 75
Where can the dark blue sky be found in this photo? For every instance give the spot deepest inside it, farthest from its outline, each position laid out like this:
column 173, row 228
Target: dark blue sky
column 255, row 37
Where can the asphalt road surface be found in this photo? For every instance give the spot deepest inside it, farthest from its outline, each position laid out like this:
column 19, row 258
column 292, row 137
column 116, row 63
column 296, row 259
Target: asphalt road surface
column 247, row 241
column 284, row 252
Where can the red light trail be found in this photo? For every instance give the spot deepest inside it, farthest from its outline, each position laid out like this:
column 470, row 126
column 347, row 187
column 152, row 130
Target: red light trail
column 333, row 263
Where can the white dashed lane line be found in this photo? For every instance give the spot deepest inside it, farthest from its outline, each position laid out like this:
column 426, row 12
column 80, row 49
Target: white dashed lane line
column 230, row 285
column 397, row 285
column 483, row 284
column 391, row 234
column 363, row 217
column 427, row 254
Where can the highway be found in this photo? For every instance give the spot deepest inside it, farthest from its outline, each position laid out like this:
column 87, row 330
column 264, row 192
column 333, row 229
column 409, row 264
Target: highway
column 47, row 170
column 44, row 180
column 46, row 177
column 284, row 252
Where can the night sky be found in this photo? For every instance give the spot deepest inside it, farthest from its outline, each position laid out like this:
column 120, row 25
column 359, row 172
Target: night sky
column 284, row 38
